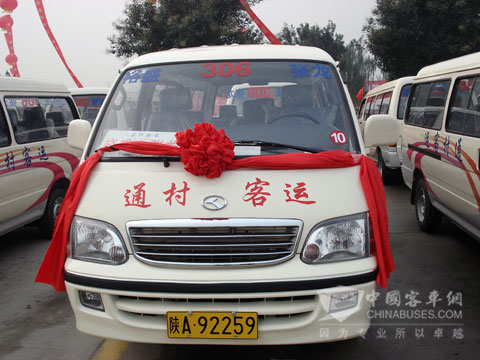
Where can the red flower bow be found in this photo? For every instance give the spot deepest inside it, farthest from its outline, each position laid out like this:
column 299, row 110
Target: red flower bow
column 205, row 151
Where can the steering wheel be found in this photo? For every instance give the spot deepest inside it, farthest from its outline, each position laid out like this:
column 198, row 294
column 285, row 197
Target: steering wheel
column 305, row 116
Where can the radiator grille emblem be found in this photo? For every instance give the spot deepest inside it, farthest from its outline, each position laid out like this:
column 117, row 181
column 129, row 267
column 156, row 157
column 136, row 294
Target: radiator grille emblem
column 214, row 202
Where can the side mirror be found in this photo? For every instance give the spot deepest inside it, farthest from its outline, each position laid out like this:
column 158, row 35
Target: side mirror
column 78, row 133
column 381, row 130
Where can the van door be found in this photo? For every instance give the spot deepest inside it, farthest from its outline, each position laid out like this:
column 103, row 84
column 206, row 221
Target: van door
column 425, row 140
column 462, row 178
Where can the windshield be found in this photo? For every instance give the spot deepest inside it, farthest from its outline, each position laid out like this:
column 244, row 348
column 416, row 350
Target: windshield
column 270, row 103
column 88, row 105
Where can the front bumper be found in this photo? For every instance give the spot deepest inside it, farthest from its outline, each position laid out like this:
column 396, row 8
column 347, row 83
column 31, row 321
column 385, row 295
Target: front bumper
column 289, row 312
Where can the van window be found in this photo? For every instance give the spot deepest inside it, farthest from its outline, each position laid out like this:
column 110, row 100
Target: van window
column 377, row 104
column 38, row 118
column 464, row 113
column 269, row 101
column 361, row 109
column 369, row 109
column 428, row 104
column 385, row 103
column 4, row 132
column 88, row 105
column 402, row 101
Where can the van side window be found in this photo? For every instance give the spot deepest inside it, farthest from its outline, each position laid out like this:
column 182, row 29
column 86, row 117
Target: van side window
column 385, row 103
column 464, row 112
column 368, row 108
column 37, row 119
column 361, row 109
column 377, row 104
column 4, row 132
column 428, row 104
column 402, row 101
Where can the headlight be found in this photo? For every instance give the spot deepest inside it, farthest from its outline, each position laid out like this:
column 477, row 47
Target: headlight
column 339, row 239
column 96, row 241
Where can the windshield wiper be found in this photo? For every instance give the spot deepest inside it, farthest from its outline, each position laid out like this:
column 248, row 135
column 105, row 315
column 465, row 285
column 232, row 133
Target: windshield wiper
column 274, row 145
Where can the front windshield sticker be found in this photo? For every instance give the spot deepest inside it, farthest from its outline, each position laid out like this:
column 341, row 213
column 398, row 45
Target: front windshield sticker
column 119, row 136
column 338, row 137
column 305, row 70
column 262, row 92
column 226, row 69
column 247, row 150
column 148, row 75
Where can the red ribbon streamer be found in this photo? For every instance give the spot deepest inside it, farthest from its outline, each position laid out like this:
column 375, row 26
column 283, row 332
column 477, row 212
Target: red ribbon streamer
column 43, row 18
column 273, row 39
column 52, row 269
column 9, row 41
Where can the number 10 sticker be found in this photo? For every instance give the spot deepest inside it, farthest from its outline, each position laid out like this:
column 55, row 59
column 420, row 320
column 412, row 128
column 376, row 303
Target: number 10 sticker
column 338, row 137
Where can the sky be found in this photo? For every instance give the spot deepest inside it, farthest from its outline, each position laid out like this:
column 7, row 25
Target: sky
column 81, row 28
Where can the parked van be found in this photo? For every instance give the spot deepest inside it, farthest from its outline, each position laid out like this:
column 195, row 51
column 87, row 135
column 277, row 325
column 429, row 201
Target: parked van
column 440, row 142
column 278, row 250
column 89, row 100
column 36, row 161
column 389, row 98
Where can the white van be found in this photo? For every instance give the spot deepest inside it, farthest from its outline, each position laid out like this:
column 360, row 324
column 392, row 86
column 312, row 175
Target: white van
column 389, row 98
column 254, row 256
column 440, row 144
column 36, row 161
column 89, row 101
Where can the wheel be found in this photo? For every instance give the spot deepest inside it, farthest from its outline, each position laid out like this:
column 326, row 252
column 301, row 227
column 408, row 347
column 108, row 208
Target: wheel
column 428, row 218
column 47, row 222
column 386, row 173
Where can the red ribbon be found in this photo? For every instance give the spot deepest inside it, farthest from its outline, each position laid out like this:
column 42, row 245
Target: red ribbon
column 205, row 139
column 43, row 18
column 273, row 39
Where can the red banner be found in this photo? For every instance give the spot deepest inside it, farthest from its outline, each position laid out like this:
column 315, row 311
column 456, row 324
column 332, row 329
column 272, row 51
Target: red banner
column 43, row 18
column 273, row 39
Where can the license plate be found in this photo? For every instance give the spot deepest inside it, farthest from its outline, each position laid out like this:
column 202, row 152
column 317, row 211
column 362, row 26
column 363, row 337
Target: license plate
column 212, row 325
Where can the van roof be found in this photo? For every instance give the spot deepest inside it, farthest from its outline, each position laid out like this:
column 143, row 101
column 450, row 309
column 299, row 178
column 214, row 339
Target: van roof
column 391, row 85
column 23, row 84
column 233, row 52
column 462, row 63
column 89, row 90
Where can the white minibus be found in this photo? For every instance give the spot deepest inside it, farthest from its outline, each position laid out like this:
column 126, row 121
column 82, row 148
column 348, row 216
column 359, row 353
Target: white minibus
column 390, row 99
column 194, row 228
column 440, row 144
column 36, row 161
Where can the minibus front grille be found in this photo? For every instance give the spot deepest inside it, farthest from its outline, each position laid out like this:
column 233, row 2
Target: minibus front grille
column 214, row 242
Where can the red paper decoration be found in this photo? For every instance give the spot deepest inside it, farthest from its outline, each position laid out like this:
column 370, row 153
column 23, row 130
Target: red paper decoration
column 6, row 22
column 8, row 5
column 11, row 59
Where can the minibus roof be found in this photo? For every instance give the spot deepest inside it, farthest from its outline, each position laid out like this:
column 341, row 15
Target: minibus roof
column 390, row 85
column 22, row 84
column 462, row 63
column 89, row 90
column 234, row 52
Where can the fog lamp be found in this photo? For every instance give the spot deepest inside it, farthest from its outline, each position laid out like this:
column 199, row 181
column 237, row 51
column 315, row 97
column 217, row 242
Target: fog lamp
column 91, row 300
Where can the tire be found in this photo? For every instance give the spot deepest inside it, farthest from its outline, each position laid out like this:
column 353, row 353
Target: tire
column 47, row 222
column 387, row 174
column 428, row 218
